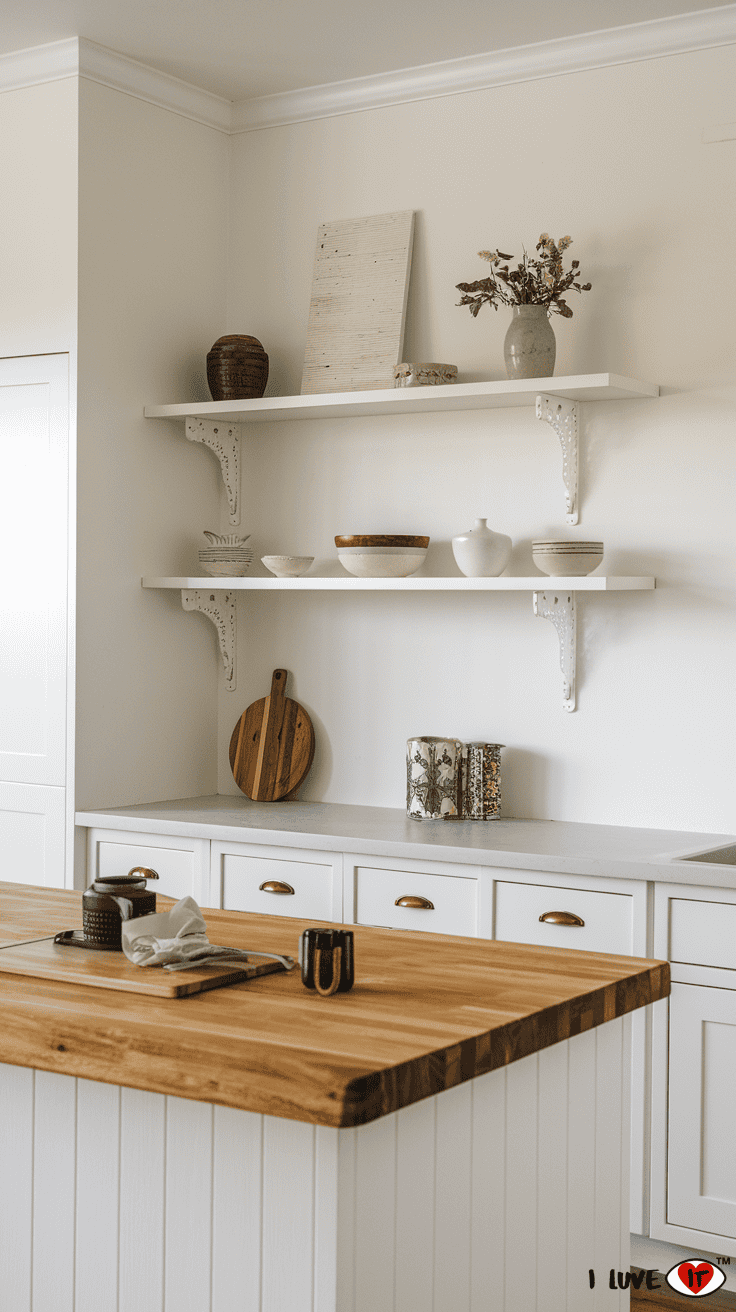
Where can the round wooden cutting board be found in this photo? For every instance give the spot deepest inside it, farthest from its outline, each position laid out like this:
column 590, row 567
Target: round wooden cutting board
column 272, row 747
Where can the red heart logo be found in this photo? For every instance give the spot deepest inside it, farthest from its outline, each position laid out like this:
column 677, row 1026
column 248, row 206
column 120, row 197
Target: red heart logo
column 695, row 1277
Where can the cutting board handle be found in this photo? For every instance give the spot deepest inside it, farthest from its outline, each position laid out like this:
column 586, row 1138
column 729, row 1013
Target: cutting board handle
column 278, row 683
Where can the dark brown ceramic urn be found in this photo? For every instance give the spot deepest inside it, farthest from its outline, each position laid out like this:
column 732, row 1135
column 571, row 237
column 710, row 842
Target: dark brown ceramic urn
column 110, row 900
column 237, row 369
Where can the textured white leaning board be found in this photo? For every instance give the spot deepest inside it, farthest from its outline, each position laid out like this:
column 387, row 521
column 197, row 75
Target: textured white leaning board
column 496, row 1196
column 355, row 333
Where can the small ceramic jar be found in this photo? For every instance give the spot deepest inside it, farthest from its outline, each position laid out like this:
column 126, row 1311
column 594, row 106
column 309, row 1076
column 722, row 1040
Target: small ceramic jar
column 480, row 553
column 424, row 375
column 237, row 368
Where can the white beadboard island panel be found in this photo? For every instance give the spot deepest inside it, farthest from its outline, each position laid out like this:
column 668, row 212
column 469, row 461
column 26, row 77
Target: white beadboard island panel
column 502, row 1192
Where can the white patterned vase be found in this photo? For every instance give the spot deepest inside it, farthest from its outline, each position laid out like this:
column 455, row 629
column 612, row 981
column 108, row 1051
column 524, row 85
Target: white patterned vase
column 433, row 778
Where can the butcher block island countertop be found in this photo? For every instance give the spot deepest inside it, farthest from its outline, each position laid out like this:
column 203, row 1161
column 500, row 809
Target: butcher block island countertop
column 427, row 1013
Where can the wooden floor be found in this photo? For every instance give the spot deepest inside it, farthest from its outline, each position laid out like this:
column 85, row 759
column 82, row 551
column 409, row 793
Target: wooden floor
column 666, row 1300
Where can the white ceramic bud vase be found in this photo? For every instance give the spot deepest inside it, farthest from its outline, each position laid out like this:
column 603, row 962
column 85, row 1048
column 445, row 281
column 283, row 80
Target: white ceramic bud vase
column 481, row 553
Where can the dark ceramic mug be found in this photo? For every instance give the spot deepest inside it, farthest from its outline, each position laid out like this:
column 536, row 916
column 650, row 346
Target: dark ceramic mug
column 327, row 960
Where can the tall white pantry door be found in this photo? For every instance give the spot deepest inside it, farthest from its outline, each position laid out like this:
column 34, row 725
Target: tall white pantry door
column 34, row 501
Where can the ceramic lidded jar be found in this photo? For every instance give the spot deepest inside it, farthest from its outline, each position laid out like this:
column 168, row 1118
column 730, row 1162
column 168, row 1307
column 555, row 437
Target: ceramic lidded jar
column 237, row 369
column 111, row 899
column 480, row 553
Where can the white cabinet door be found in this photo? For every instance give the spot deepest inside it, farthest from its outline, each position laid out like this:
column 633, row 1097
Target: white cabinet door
column 385, row 891
column 276, row 881
column 34, row 498
column 701, row 1157
column 32, row 829
column 182, row 864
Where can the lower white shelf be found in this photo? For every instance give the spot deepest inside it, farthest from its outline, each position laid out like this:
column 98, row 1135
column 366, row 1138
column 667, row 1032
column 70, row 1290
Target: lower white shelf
column 553, row 599
column 506, row 583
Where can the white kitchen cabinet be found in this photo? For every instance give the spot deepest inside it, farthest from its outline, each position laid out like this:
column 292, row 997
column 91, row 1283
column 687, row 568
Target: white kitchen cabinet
column 701, row 1166
column 276, row 881
column 182, row 864
column 573, row 916
column 34, row 606
column 693, row 1197
column 32, row 833
column 434, row 896
column 441, row 904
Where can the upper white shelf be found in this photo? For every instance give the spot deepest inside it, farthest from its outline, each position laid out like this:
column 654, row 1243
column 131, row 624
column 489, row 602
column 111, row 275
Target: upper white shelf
column 508, row 583
column 411, row 400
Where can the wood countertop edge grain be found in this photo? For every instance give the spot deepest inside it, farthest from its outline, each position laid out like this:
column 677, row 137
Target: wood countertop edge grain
column 42, row 1028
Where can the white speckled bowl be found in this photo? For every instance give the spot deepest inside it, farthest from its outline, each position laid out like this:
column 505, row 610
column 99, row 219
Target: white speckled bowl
column 381, row 562
column 287, row 567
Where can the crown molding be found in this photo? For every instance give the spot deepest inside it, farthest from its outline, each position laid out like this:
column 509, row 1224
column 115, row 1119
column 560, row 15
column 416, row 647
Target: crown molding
column 29, row 68
column 98, row 64
column 78, row 57
column 620, row 45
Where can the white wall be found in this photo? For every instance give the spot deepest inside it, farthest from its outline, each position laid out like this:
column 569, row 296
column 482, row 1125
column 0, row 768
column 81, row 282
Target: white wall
column 153, row 215
column 38, row 219
column 614, row 158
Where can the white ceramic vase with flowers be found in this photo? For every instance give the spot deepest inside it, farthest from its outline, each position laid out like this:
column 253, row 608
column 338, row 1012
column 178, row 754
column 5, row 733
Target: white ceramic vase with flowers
column 534, row 290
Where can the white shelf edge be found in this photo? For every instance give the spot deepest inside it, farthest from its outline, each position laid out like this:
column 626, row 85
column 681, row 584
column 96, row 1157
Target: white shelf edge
column 411, row 400
column 538, row 583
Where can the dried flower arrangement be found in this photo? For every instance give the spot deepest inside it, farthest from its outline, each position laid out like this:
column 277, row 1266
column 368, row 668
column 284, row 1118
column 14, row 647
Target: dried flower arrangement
column 541, row 281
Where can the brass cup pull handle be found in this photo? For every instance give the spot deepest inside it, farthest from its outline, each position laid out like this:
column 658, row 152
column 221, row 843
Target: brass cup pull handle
column 275, row 886
column 420, row 903
column 145, row 872
column 336, row 955
column 561, row 918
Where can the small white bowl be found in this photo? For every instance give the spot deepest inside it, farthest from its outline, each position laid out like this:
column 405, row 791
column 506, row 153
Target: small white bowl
column 567, row 559
column 287, row 567
column 226, row 569
column 381, row 562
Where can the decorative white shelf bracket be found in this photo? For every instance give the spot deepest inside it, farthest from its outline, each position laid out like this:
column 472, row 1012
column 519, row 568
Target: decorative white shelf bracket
column 224, row 440
column 559, row 607
column 219, row 607
column 563, row 417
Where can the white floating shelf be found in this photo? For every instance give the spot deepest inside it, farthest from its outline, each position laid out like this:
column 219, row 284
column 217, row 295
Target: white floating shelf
column 411, row 400
column 539, row 583
column 553, row 600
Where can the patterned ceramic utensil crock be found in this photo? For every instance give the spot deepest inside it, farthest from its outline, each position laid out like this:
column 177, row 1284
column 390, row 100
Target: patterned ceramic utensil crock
column 432, row 778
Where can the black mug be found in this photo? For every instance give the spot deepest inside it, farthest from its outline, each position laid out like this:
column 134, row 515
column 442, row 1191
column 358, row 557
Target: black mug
column 327, row 960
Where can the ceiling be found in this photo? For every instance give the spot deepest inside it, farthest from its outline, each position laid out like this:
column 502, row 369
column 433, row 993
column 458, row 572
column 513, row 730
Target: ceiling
column 245, row 48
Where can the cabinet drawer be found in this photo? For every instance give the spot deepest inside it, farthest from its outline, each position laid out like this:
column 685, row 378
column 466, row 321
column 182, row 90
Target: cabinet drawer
column 608, row 917
column 454, row 899
column 174, row 866
column 703, row 933
column 311, row 883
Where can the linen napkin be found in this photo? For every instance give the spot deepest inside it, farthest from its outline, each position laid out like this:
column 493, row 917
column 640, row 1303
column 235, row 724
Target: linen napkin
column 177, row 940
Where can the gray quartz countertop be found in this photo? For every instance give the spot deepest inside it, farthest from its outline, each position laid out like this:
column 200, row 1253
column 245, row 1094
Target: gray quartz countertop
column 615, row 851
